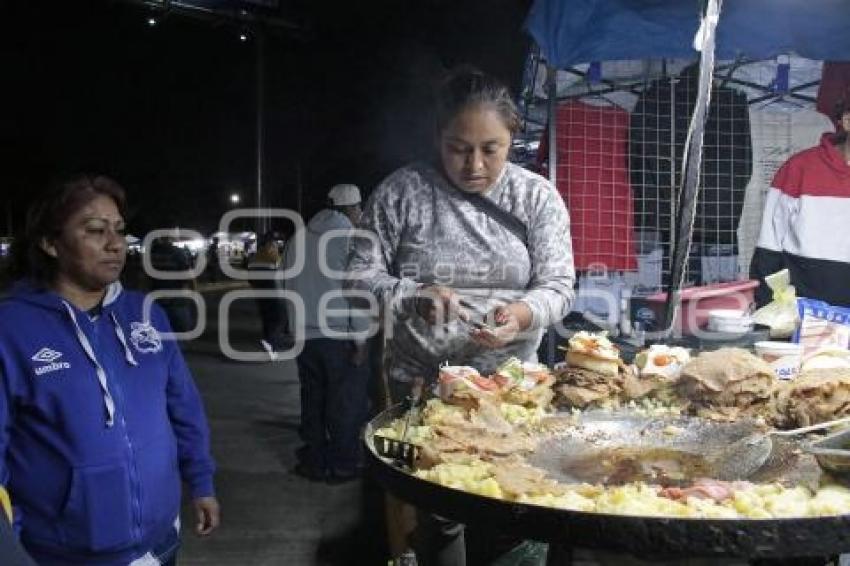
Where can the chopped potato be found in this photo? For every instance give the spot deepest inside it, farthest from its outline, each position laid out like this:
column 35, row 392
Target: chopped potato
column 709, row 509
column 436, row 412
column 791, row 502
column 639, row 499
column 570, row 500
column 761, row 501
column 416, row 434
column 520, row 415
column 830, row 500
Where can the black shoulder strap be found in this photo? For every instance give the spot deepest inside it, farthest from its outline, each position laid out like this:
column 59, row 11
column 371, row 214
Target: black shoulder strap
column 513, row 224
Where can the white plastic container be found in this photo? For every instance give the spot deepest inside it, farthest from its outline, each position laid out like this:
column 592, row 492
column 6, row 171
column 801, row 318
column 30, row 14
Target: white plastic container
column 784, row 357
column 729, row 321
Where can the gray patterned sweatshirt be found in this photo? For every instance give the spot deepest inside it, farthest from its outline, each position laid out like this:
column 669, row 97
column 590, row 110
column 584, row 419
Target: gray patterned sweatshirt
column 423, row 231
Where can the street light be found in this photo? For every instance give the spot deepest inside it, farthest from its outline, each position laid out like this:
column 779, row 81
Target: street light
column 234, row 198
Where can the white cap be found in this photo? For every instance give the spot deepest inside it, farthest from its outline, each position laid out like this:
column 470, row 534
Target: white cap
column 344, row 195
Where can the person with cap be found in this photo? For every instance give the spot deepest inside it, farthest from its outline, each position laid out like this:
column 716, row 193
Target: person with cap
column 332, row 366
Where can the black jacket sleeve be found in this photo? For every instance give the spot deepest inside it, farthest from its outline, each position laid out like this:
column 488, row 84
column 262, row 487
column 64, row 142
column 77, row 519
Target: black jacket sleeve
column 765, row 262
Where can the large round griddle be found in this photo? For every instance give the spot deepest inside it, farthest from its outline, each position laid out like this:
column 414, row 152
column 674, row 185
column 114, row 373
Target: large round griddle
column 651, row 537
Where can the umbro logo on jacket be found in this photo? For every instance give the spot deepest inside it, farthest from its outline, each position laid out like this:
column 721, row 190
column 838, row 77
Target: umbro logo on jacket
column 49, row 357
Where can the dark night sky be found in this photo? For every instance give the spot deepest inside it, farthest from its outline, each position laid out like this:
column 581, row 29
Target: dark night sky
column 169, row 111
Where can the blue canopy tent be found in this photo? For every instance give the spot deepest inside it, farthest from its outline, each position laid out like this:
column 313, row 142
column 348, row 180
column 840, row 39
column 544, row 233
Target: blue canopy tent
column 580, row 31
column 571, row 32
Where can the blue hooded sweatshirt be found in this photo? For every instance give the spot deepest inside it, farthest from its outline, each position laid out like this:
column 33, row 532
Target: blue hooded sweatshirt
column 99, row 422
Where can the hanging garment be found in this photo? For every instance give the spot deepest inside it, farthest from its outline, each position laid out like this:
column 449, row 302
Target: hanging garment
column 777, row 134
column 657, row 134
column 834, row 85
column 594, row 182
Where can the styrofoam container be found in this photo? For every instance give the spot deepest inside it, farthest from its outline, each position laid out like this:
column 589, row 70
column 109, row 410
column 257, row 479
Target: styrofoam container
column 729, row 321
column 784, row 357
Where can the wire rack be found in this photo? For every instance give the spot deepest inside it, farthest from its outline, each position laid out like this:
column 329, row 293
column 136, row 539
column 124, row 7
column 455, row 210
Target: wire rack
column 619, row 138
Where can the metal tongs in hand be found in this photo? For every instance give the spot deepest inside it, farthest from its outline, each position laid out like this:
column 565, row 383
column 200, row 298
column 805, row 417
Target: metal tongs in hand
column 401, row 450
column 476, row 324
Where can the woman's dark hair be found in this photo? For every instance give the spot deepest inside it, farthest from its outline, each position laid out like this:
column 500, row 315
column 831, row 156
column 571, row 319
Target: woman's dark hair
column 467, row 86
column 47, row 217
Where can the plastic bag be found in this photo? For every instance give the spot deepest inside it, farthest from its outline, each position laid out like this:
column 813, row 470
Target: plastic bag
column 823, row 326
column 781, row 314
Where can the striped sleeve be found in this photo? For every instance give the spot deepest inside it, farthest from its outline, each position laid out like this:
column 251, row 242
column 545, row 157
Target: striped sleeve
column 779, row 211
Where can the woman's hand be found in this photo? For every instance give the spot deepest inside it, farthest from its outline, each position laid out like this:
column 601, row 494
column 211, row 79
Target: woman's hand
column 208, row 514
column 509, row 321
column 439, row 305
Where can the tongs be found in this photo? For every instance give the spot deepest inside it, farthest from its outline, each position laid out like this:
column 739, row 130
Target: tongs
column 400, row 450
column 810, row 428
column 477, row 324
column 832, row 452
column 752, row 451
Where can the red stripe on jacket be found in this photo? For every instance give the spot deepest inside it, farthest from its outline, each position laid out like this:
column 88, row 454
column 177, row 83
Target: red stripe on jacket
column 820, row 171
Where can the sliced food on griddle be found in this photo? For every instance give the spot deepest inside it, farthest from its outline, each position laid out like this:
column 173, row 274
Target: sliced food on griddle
column 485, row 442
column 816, row 396
column 663, row 361
column 514, row 381
column 728, row 377
column 593, row 352
column 517, row 478
column 706, row 488
column 525, row 383
column 655, row 373
column 463, row 384
column 592, row 374
column 494, row 435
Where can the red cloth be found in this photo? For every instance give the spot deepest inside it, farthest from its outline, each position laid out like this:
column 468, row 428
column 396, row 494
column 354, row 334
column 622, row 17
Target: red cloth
column 593, row 179
column 834, row 85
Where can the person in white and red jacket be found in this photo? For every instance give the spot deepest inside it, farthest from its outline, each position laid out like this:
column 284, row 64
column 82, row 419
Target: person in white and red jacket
column 806, row 220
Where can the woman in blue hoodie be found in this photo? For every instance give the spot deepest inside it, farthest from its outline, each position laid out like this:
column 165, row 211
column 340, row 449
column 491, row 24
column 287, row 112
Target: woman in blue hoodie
column 100, row 420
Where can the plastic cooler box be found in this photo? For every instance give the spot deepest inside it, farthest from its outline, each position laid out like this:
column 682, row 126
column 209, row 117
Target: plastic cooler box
column 698, row 301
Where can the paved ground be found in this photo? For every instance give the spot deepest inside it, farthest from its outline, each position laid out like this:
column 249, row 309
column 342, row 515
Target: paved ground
column 270, row 515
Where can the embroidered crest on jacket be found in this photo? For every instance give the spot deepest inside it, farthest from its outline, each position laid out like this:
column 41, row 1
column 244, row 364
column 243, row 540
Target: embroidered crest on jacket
column 145, row 337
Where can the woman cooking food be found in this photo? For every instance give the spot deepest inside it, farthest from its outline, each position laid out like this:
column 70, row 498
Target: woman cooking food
column 99, row 417
column 467, row 240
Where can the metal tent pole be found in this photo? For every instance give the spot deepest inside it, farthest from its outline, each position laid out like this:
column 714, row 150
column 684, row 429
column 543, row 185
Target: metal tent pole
column 691, row 163
column 552, row 113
